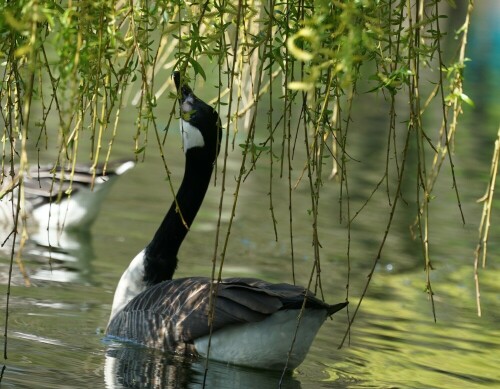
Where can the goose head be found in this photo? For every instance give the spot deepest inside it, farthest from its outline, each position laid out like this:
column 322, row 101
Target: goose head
column 200, row 123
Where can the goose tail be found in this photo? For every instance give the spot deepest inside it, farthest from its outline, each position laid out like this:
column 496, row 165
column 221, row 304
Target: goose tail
column 336, row 307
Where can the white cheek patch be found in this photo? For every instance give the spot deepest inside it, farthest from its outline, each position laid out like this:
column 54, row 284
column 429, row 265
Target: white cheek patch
column 191, row 136
column 187, row 105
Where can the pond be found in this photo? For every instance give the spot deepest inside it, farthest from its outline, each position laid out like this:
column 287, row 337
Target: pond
column 56, row 325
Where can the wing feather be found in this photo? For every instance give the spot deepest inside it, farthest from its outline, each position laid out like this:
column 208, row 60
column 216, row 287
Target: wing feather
column 173, row 313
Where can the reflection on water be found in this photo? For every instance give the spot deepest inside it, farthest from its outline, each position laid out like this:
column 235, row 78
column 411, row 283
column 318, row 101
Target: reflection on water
column 129, row 366
column 51, row 255
column 439, row 358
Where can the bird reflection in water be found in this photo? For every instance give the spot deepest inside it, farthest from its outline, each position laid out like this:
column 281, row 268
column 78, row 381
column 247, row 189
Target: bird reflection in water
column 132, row 366
column 51, row 255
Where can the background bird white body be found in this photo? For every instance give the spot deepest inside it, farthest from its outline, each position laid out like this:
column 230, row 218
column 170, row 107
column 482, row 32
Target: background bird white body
column 57, row 199
column 79, row 210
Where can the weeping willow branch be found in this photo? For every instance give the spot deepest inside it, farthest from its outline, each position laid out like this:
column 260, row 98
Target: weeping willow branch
column 82, row 63
column 481, row 251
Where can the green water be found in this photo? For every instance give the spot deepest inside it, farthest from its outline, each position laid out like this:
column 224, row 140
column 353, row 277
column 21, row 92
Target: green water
column 56, row 325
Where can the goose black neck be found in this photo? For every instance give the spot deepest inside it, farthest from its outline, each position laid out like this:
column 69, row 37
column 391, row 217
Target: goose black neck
column 161, row 253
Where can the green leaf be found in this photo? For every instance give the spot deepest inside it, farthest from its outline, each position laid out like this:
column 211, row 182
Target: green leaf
column 197, row 68
column 305, row 34
column 466, row 99
column 300, row 85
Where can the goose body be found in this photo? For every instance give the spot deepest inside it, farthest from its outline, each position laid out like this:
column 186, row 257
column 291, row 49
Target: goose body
column 56, row 199
column 254, row 323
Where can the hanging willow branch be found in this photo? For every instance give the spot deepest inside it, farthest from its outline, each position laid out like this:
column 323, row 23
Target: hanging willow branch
column 79, row 64
column 481, row 252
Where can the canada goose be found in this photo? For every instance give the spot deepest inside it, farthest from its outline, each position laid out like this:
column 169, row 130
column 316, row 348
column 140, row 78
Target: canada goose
column 56, row 199
column 254, row 321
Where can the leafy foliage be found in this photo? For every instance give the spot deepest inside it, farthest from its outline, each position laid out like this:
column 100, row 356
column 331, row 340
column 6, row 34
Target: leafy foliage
column 75, row 61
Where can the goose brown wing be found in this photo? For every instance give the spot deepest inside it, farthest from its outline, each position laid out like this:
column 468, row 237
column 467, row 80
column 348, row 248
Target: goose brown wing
column 175, row 312
column 290, row 296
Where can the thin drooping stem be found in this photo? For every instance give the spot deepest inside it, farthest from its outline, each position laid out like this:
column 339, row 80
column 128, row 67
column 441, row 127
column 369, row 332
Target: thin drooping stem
column 481, row 250
column 384, row 238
